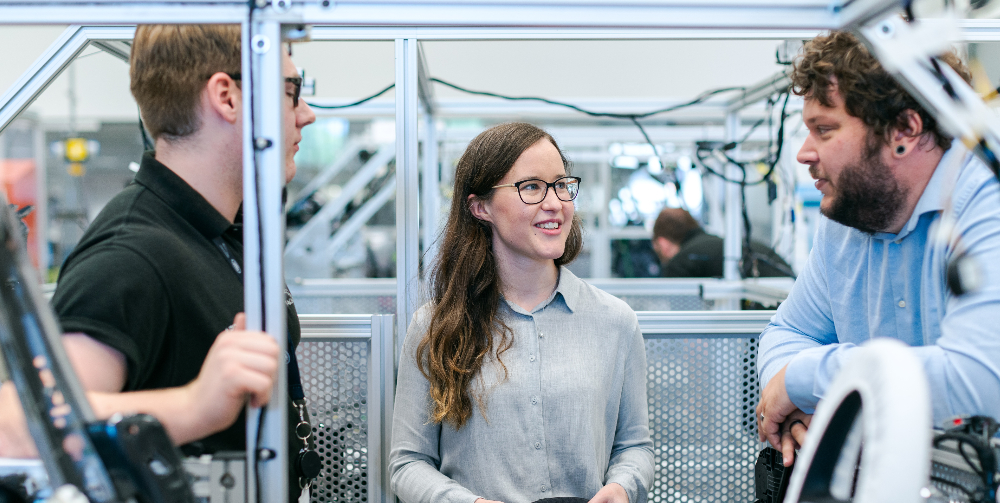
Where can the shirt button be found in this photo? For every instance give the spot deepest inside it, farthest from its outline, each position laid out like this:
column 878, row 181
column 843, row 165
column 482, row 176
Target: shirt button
column 543, row 488
column 531, row 358
column 538, row 445
column 902, row 303
column 540, row 335
column 534, row 400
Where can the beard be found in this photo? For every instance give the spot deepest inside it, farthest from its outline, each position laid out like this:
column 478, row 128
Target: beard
column 868, row 197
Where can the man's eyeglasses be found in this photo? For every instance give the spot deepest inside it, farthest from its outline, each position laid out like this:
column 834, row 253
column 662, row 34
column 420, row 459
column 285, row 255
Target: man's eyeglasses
column 533, row 190
column 295, row 81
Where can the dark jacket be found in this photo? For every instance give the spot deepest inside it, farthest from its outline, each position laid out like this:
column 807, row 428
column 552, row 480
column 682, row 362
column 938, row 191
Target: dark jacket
column 701, row 256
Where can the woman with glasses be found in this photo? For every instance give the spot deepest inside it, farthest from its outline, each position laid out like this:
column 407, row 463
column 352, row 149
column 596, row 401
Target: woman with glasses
column 518, row 382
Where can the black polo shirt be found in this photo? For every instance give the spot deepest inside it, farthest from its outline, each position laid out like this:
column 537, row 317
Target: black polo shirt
column 147, row 280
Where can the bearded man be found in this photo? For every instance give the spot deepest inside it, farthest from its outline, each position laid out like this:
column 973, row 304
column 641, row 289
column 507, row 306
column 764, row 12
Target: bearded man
column 878, row 265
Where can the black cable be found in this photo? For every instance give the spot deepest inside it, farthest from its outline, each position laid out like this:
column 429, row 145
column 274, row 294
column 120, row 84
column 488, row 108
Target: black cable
column 356, row 103
column 773, row 162
column 987, row 459
column 754, row 128
column 968, row 494
column 632, row 117
column 698, row 99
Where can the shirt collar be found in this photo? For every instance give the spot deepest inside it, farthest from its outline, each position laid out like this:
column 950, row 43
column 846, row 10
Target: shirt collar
column 180, row 196
column 567, row 287
column 931, row 200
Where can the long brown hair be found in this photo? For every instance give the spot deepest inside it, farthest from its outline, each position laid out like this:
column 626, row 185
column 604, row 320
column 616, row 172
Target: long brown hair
column 465, row 281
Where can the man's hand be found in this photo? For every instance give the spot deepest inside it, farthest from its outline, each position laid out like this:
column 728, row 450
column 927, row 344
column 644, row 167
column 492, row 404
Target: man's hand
column 779, row 421
column 15, row 441
column 793, row 435
column 611, row 493
column 240, row 366
column 773, row 408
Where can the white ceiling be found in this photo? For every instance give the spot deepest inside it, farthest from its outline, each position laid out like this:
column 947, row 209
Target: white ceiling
column 665, row 71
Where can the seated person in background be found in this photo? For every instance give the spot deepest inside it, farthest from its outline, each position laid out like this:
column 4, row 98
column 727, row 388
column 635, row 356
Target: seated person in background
column 152, row 296
column 687, row 251
column 519, row 381
column 877, row 266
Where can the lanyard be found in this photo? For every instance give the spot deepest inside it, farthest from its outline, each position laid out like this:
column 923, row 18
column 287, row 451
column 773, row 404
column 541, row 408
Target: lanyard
column 294, row 378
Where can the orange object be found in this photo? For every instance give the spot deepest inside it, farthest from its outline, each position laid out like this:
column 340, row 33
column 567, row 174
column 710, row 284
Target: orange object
column 19, row 184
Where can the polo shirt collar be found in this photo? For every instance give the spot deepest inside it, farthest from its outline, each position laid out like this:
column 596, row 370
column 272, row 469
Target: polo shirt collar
column 180, row 196
column 930, row 201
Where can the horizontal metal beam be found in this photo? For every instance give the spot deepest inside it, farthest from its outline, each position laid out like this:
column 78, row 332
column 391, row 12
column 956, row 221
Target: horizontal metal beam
column 711, row 289
column 322, row 327
column 383, row 287
column 661, row 14
column 702, row 324
column 853, row 13
column 654, row 325
column 980, row 30
column 459, row 33
column 776, row 83
column 637, row 14
column 94, row 12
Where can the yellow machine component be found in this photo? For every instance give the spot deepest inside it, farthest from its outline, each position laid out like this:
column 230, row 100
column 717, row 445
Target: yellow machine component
column 76, row 150
column 76, row 169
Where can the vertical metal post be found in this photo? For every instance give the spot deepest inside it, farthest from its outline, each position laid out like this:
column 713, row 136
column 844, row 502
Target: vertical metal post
column 375, row 402
column 381, row 393
column 407, row 178
column 388, row 352
column 264, row 238
column 733, row 249
column 430, row 194
column 599, row 240
column 41, row 200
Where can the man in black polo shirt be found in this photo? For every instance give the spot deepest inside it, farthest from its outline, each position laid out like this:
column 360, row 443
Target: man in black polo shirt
column 687, row 251
column 151, row 298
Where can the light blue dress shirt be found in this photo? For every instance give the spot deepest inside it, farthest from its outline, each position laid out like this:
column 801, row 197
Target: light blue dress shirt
column 570, row 417
column 858, row 286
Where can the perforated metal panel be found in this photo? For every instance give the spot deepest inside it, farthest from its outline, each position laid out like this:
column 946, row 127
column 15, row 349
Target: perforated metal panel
column 702, row 394
column 340, row 304
column 335, row 378
column 667, row 302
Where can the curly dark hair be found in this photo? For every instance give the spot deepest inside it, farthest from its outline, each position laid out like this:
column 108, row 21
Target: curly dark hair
column 839, row 60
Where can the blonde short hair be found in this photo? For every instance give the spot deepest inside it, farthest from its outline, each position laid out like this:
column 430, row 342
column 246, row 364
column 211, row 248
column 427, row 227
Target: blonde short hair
column 170, row 65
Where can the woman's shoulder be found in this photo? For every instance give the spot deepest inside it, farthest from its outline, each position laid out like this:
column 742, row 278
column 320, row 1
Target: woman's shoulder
column 417, row 328
column 588, row 299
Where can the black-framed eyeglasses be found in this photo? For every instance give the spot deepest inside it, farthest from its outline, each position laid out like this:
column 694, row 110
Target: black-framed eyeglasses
column 534, row 190
column 296, row 81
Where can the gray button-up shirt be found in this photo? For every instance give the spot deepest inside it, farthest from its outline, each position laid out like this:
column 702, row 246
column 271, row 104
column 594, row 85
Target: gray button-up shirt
column 570, row 418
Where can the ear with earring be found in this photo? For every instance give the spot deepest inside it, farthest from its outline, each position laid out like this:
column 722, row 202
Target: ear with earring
column 900, row 150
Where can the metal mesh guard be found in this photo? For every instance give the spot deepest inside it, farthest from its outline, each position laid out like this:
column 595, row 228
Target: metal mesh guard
column 336, row 384
column 702, row 395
